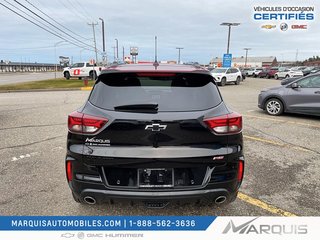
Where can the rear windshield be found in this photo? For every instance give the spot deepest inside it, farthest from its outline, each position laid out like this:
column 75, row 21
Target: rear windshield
column 167, row 91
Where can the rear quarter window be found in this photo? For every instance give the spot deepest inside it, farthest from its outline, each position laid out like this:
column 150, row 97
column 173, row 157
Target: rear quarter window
column 170, row 91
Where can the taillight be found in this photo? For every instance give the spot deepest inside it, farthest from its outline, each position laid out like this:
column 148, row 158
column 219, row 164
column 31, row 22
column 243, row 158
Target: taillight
column 69, row 170
column 240, row 171
column 225, row 124
column 83, row 123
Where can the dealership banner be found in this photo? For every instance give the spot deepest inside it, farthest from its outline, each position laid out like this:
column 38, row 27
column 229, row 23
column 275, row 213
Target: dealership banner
column 157, row 227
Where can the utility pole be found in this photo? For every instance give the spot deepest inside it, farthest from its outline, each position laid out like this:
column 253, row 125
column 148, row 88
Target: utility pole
column 117, row 47
column 179, row 49
column 245, row 61
column 114, row 54
column 122, row 53
column 94, row 39
column 103, row 42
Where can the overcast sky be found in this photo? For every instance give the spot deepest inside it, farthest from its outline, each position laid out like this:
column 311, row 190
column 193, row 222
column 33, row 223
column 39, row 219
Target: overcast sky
column 191, row 24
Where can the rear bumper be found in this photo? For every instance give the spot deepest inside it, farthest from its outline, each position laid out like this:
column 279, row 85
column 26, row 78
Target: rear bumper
column 106, row 195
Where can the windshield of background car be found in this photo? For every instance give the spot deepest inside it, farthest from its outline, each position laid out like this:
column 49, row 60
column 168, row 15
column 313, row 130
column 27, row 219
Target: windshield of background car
column 219, row 70
column 170, row 91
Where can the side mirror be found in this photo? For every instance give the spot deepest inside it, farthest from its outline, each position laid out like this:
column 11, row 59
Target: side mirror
column 294, row 85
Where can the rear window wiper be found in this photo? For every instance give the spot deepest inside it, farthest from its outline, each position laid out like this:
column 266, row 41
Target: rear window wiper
column 140, row 108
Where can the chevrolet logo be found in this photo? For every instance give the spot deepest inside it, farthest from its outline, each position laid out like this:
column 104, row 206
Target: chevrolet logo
column 155, row 127
column 268, row 26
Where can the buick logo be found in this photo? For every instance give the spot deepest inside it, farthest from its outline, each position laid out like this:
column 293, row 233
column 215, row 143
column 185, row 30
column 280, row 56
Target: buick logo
column 155, row 127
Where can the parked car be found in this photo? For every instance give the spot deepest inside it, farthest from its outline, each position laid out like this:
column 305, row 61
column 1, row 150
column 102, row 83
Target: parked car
column 256, row 72
column 244, row 71
column 300, row 96
column 288, row 73
column 155, row 133
column 310, row 70
column 268, row 72
column 288, row 80
column 82, row 69
column 226, row 75
column 263, row 73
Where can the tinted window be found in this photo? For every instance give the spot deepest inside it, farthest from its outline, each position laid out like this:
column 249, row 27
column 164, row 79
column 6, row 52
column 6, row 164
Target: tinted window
column 172, row 92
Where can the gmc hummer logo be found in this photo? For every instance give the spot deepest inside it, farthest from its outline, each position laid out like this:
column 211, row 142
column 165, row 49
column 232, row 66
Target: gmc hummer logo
column 156, row 127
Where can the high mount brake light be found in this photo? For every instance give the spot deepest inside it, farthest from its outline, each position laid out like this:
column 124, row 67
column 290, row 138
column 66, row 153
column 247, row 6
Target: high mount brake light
column 146, row 74
column 83, row 123
column 225, row 124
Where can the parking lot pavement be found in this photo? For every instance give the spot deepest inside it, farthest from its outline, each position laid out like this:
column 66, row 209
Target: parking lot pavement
column 282, row 159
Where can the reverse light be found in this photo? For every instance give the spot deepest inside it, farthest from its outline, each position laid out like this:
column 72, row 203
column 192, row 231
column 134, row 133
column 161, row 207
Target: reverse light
column 84, row 123
column 225, row 124
column 69, row 170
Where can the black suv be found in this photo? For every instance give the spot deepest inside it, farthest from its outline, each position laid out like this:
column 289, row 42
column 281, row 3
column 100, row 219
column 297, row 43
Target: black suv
column 154, row 133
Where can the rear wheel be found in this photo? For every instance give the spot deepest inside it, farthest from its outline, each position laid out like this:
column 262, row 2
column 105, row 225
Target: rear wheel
column 93, row 75
column 67, row 75
column 287, row 76
column 274, row 107
column 223, row 81
column 237, row 82
column 276, row 76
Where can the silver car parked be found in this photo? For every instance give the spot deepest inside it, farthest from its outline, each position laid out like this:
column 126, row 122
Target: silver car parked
column 300, row 96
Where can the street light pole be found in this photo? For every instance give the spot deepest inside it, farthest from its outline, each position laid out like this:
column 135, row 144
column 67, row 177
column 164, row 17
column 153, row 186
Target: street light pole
column 55, row 58
column 117, row 48
column 245, row 61
column 179, row 49
column 229, row 32
column 103, row 40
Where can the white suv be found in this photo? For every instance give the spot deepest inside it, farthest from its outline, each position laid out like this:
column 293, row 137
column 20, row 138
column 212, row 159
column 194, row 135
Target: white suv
column 225, row 75
column 288, row 73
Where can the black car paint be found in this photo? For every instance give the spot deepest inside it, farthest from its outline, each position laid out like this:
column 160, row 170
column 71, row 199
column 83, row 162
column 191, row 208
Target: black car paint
column 187, row 145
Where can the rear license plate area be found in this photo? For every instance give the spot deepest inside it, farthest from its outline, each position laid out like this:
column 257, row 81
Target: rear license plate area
column 155, row 177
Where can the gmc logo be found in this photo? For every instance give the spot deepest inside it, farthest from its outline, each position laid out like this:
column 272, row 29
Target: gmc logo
column 299, row 26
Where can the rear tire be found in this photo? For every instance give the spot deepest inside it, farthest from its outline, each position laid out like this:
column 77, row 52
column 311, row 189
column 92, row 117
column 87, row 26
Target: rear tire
column 276, row 76
column 223, row 81
column 274, row 107
column 237, row 82
column 93, row 75
column 287, row 76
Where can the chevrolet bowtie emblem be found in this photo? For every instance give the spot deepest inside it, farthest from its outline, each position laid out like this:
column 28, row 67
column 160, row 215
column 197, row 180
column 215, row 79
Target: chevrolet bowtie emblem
column 156, row 127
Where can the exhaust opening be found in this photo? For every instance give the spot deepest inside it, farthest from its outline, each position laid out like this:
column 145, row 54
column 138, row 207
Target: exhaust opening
column 220, row 199
column 89, row 200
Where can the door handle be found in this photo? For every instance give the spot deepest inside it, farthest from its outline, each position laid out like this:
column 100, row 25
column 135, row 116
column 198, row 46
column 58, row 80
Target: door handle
column 317, row 92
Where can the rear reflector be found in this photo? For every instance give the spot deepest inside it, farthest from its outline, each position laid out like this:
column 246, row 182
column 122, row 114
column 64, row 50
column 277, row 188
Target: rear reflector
column 240, row 171
column 83, row 123
column 225, row 124
column 69, row 170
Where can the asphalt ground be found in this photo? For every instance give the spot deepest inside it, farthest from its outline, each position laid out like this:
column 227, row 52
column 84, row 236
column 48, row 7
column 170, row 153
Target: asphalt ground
column 17, row 77
column 281, row 173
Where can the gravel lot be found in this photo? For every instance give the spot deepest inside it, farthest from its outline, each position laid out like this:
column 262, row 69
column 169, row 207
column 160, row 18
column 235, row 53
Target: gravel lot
column 282, row 159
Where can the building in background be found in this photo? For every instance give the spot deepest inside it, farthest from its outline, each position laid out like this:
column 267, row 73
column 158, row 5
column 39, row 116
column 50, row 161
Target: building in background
column 251, row 61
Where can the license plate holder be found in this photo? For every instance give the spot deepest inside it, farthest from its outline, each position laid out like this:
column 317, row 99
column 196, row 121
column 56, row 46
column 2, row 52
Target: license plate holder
column 155, row 177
